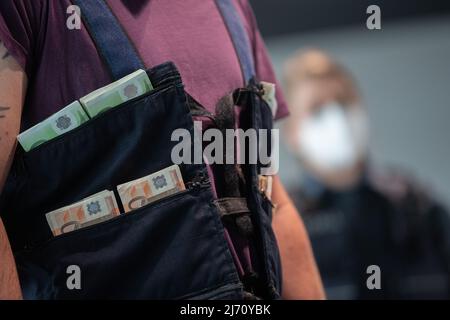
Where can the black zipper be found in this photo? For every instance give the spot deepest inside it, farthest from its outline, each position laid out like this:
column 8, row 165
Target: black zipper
column 200, row 180
column 197, row 110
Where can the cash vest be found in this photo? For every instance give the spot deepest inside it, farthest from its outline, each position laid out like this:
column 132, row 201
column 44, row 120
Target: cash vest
column 173, row 248
column 390, row 223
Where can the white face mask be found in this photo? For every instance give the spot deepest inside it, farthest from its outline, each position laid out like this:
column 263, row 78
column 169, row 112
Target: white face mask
column 334, row 139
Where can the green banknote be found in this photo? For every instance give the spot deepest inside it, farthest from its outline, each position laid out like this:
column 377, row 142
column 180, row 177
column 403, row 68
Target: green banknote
column 59, row 123
column 127, row 88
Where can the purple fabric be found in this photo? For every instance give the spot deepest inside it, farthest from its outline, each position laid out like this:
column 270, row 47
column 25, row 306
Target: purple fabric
column 63, row 65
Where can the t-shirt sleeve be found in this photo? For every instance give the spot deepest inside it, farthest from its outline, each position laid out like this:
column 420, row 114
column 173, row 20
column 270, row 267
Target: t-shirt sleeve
column 263, row 64
column 18, row 28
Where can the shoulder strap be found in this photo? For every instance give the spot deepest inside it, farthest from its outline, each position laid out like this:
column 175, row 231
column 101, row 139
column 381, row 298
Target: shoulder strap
column 239, row 36
column 113, row 44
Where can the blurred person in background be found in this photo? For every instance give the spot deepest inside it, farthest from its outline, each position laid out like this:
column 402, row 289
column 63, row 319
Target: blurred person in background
column 356, row 216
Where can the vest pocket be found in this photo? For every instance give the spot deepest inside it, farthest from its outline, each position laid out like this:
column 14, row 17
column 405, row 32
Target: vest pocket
column 173, row 248
column 169, row 249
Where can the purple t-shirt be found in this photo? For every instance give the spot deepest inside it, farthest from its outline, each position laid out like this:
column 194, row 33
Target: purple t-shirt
column 63, row 65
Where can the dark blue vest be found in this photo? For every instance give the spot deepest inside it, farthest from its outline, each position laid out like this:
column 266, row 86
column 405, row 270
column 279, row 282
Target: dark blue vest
column 170, row 249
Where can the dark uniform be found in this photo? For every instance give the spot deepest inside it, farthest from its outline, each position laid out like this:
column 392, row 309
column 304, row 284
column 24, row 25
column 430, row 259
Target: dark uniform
column 386, row 221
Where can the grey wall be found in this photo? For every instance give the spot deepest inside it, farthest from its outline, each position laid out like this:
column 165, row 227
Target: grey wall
column 404, row 74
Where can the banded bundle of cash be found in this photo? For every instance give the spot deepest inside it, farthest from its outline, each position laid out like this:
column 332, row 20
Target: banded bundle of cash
column 72, row 116
column 95, row 209
column 140, row 192
column 59, row 123
column 110, row 96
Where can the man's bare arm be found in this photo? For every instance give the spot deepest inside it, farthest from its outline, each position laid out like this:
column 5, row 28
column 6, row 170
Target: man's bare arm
column 12, row 92
column 301, row 279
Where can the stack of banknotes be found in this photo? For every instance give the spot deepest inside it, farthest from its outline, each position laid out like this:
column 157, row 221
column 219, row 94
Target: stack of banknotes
column 59, row 123
column 140, row 192
column 79, row 112
column 125, row 89
column 103, row 206
column 92, row 210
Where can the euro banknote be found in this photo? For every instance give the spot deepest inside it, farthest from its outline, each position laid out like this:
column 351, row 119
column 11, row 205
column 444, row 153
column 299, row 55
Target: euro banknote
column 140, row 192
column 92, row 210
column 65, row 120
column 116, row 93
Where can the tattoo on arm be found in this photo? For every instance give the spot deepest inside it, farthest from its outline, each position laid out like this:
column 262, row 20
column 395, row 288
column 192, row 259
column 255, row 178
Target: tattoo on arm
column 2, row 111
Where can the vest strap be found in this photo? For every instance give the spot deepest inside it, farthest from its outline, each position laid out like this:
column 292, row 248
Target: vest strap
column 239, row 36
column 231, row 206
column 117, row 51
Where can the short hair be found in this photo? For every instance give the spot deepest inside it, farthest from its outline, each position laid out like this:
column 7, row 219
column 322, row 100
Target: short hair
column 314, row 64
